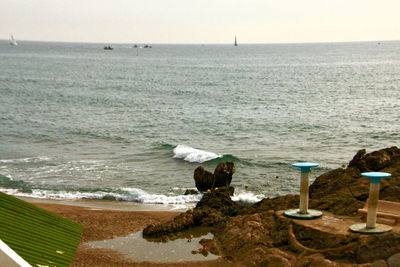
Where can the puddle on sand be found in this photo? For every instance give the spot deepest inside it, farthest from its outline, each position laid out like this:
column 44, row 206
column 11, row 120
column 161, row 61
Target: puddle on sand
column 136, row 248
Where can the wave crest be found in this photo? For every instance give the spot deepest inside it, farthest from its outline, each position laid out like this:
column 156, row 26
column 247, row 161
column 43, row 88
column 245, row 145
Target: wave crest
column 124, row 194
column 191, row 154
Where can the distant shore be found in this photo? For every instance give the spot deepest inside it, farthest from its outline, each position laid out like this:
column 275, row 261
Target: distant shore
column 106, row 223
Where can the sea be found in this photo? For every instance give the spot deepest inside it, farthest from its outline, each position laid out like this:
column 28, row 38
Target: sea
column 132, row 124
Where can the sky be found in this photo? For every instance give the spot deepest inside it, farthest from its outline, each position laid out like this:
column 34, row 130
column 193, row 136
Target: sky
column 200, row 21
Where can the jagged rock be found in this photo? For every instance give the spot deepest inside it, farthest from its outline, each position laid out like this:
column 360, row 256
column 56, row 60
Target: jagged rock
column 222, row 176
column 376, row 160
column 213, row 208
column 379, row 263
column 191, row 192
column 210, row 245
column 218, row 200
column 394, row 261
column 378, row 247
column 242, row 232
column 344, row 191
column 179, row 223
column 316, row 260
column 203, row 179
column 276, row 261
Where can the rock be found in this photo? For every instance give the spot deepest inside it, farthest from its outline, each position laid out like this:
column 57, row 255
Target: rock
column 213, row 208
column 277, row 203
column 379, row 263
column 109, row 197
column 379, row 247
column 203, row 179
column 220, row 201
column 316, row 260
column 394, row 261
column 222, row 176
column 259, row 236
column 191, row 192
column 210, row 245
column 246, row 239
column 241, row 233
column 268, row 257
column 202, row 251
column 276, row 261
column 344, row 191
column 376, row 160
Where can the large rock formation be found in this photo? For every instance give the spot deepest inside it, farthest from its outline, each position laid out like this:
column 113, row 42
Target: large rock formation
column 260, row 236
column 222, row 176
column 213, row 208
column 344, row 191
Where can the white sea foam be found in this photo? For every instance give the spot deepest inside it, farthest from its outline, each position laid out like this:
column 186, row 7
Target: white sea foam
column 21, row 160
column 127, row 194
column 191, row 154
column 247, row 197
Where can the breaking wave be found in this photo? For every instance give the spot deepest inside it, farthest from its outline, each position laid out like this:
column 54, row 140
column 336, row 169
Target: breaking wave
column 247, row 197
column 191, row 154
column 124, row 194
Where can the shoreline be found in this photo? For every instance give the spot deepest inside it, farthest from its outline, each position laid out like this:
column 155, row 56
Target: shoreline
column 103, row 224
column 106, row 204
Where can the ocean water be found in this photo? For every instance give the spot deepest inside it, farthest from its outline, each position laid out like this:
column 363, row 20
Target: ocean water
column 77, row 121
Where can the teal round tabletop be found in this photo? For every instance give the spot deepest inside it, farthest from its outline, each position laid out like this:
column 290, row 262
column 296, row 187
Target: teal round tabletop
column 376, row 174
column 305, row 165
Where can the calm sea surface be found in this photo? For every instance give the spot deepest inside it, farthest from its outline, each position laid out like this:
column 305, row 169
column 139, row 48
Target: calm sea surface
column 77, row 121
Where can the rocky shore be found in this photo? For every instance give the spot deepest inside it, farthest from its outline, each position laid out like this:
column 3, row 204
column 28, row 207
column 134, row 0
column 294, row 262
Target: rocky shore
column 260, row 236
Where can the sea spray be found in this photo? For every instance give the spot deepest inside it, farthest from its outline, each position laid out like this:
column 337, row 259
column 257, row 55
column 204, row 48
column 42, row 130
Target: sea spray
column 247, row 197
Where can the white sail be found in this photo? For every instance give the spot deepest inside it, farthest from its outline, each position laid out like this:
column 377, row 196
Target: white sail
column 12, row 41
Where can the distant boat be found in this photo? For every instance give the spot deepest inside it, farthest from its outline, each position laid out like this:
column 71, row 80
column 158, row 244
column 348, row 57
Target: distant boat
column 12, row 41
column 235, row 41
column 108, row 48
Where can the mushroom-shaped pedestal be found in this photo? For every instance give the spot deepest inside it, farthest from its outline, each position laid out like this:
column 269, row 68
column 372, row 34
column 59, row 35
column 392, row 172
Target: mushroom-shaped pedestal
column 371, row 227
column 304, row 212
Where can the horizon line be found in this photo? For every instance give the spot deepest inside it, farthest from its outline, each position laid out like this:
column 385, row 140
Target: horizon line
column 239, row 43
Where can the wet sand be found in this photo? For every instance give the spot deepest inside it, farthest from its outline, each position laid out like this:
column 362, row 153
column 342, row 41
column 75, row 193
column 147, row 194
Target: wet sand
column 102, row 224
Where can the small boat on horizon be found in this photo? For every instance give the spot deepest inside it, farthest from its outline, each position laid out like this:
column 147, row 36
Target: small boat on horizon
column 235, row 44
column 13, row 42
column 108, row 48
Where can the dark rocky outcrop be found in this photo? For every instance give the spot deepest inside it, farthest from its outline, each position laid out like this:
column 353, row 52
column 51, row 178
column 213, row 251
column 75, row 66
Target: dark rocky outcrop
column 376, row 160
column 191, row 192
column 344, row 191
column 222, row 176
column 214, row 207
column 203, row 179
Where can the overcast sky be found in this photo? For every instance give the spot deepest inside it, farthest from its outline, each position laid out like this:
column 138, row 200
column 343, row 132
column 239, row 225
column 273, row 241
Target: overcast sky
column 200, row 21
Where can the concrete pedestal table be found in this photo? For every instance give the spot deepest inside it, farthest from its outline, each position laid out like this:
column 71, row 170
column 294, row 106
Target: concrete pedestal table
column 371, row 227
column 304, row 212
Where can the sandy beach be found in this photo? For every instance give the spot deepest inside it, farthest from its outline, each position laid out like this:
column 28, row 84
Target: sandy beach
column 102, row 224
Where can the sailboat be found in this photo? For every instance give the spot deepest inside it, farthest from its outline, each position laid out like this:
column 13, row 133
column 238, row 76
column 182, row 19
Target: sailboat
column 12, row 41
column 235, row 41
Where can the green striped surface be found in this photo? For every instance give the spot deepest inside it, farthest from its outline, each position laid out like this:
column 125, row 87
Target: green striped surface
column 40, row 237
